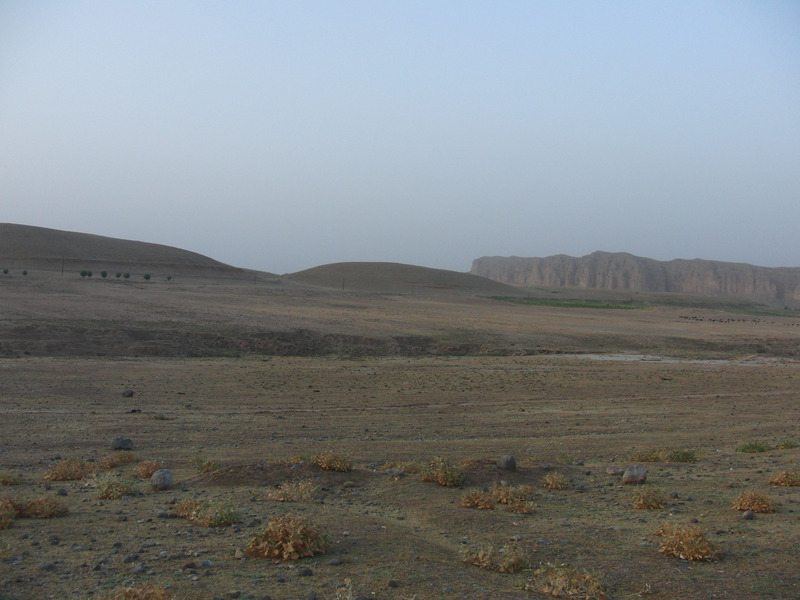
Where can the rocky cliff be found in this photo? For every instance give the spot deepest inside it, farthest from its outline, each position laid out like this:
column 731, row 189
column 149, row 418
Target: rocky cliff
column 621, row 271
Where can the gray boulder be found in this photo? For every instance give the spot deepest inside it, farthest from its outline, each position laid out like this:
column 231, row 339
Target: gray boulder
column 635, row 474
column 121, row 443
column 162, row 480
column 507, row 463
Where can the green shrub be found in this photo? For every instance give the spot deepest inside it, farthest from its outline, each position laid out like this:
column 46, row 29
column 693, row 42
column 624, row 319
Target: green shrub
column 753, row 447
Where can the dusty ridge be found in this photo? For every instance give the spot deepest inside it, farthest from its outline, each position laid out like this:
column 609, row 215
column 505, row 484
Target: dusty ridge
column 622, row 271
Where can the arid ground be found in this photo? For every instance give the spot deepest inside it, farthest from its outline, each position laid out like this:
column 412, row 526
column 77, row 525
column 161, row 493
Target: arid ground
column 249, row 381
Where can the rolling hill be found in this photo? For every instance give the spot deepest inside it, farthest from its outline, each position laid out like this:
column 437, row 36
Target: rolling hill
column 30, row 247
column 387, row 277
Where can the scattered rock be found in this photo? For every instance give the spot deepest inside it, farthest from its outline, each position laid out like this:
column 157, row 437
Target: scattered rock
column 304, row 572
column 748, row 515
column 635, row 474
column 614, row 471
column 507, row 463
column 393, row 583
column 121, row 443
column 47, row 566
column 127, row 394
column 239, row 554
column 162, row 480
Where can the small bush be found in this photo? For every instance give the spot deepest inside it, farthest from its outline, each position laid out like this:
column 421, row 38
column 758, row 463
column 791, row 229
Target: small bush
column 146, row 468
column 328, row 461
column 787, row 478
column 753, row 447
column 508, row 494
column 644, row 499
column 509, row 558
column 515, row 499
column 754, row 501
column 8, row 478
column 116, row 459
column 441, row 472
column 205, row 466
column 114, row 488
column 562, row 581
column 477, row 499
column 287, row 538
column 682, row 456
column 44, row 508
column 554, row 481
column 69, row 470
column 10, row 506
column 208, row 514
column 295, row 491
column 686, row 542
column 147, row 591
column 646, row 456
column 787, row 445
column 7, row 516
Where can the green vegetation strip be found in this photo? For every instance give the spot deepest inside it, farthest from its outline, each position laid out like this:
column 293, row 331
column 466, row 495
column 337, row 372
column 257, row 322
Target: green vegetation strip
column 570, row 303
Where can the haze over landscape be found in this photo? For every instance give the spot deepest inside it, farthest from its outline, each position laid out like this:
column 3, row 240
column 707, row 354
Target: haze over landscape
column 281, row 136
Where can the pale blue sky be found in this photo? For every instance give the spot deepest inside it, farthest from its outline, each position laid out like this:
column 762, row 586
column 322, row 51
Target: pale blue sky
column 285, row 135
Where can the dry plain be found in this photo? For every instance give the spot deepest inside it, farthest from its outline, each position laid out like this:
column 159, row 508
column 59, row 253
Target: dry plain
column 257, row 378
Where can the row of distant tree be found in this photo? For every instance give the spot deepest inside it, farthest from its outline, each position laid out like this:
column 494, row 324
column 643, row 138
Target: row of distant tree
column 118, row 275
column 104, row 274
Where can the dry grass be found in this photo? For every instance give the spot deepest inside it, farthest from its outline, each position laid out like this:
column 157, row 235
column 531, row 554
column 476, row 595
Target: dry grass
column 147, row 591
column 208, row 514
column 509, row 495
column 69, row 470
column 515, row 499
column 477, row 499
column 204, row 465
column 8, row 478
column 653, row 455
column 755, row 501
column 410, row 467
column 146, row 468
column 9, row 510
column 562, row 581
column 645, row 499
column 686, row 542
column 554, row 481
column 114, row 488
column 116, row 459
column 287, row 538
column 329, row 461
column 787, row 478
column 508, row 558
column 441, row 472
column 293, row 491
column 44, row 508
column 11, row 507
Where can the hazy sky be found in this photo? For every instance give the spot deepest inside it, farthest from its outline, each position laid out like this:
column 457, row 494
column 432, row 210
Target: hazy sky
column 285, row 135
